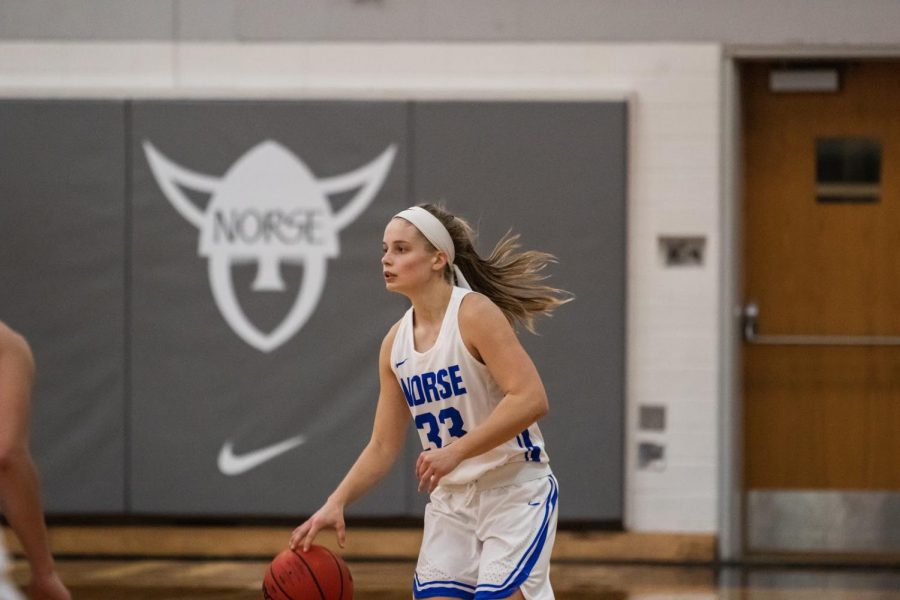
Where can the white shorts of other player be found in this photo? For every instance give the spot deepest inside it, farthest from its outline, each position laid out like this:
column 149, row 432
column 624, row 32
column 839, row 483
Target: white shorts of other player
column 7, row 590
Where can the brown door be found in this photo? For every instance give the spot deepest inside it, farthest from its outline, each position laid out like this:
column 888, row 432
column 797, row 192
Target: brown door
column 821, row 388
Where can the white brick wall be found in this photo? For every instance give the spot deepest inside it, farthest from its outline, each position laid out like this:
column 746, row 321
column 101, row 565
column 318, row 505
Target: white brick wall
column 674, row 93
column 673, row 312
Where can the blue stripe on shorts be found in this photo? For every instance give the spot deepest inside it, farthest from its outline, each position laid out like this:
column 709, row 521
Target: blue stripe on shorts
column 488, row 591
column 443, row 589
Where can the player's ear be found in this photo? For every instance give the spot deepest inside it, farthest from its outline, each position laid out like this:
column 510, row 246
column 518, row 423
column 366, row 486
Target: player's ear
column 439, row 261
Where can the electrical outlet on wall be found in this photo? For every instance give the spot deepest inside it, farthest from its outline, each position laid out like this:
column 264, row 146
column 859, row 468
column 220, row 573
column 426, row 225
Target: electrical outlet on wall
column 651, row 456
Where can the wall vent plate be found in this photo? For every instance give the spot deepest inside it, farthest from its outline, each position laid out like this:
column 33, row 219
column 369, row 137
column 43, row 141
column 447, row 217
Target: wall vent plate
column 652, row 418
column 682, row 251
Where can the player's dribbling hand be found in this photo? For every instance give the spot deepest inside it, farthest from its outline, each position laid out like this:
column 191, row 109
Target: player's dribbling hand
column 329, row 516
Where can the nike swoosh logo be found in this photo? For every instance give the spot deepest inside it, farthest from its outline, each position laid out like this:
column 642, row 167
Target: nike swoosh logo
column 397, row 365
column 232, row 464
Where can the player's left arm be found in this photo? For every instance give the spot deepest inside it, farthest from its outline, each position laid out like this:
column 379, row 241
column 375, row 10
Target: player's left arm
column 491, row 339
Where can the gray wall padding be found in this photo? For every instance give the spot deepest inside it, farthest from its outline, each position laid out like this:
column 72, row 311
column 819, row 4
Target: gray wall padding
column 143, row 378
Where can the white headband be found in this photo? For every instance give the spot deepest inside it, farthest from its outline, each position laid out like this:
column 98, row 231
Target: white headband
column 435, row 232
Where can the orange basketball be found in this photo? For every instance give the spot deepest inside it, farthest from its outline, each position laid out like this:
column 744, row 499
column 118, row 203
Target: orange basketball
column 317, row 574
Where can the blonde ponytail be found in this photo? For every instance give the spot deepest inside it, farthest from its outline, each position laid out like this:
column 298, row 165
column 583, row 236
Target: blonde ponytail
column 511, row 278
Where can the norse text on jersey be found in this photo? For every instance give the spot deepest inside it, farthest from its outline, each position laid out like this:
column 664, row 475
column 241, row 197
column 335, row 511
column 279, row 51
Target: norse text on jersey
column 433, row 386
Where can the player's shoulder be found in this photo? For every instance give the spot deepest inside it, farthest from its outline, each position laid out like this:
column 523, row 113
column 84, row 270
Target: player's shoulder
column 389, row 337
column 476, row 307
column 480, row 319
column 387, row 346
column 12, row 340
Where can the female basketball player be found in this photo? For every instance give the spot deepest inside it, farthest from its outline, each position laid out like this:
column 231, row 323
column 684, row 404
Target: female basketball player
column 454, row 361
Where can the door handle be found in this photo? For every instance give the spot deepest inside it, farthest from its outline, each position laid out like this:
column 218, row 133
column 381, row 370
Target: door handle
column 750, row 329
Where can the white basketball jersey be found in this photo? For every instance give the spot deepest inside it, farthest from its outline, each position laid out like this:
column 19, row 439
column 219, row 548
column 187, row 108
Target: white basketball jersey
column 449, row 393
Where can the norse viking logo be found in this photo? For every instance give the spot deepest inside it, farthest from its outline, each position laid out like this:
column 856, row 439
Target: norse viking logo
column 270, row 209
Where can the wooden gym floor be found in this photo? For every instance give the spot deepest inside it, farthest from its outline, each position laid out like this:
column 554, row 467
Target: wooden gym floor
column 240, row 580
column 227, row 563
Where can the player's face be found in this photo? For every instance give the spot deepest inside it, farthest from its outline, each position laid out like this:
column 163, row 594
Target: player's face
column 407, row 259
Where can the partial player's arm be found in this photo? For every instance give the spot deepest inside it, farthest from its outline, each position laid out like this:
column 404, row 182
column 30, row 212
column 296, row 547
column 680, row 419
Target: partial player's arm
column 376, row 459
column 491, row 339
column 19, row 487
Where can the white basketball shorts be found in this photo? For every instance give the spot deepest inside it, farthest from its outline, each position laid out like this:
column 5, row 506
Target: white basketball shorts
column 489, row 538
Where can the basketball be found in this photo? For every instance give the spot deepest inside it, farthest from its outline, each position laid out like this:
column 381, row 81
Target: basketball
column 318, row 574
